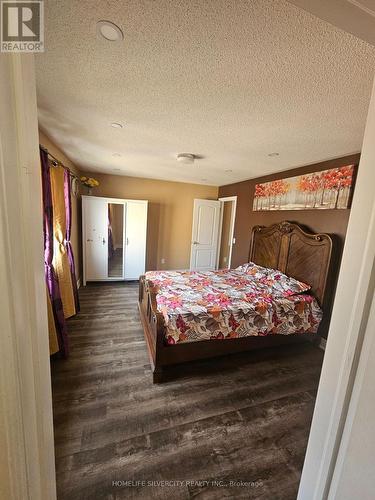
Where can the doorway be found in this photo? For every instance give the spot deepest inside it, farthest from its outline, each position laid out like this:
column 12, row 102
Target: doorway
column 226, row 240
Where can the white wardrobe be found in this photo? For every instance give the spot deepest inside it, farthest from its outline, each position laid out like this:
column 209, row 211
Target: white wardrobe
column 114, row 238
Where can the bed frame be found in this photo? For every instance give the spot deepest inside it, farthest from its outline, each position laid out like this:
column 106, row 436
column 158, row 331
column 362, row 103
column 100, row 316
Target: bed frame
column 284, row 246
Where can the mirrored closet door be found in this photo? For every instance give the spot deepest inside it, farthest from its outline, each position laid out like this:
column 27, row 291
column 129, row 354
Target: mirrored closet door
column 114, row 238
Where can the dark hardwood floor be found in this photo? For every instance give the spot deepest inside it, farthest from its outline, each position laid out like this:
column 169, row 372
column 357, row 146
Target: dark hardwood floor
column 241, row 418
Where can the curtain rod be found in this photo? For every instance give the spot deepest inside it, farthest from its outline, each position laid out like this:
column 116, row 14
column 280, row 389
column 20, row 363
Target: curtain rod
column 58, row 162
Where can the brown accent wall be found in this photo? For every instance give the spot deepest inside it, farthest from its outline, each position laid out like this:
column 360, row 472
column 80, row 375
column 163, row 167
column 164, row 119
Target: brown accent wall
column 170, row 214
column 333, row 222
column 76, row 202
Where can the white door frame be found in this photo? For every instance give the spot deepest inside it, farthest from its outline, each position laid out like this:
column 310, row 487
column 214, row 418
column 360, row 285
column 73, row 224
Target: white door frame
column 27, row 465
column 231, row 230
column 341, row 479
column 350, row 319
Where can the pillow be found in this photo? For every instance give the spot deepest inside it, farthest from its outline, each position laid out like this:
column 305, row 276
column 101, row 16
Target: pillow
column 287, row 285
column 280, row 283
column 252, row 269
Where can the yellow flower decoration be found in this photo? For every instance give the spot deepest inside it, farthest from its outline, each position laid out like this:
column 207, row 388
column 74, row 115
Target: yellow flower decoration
column 89, row 181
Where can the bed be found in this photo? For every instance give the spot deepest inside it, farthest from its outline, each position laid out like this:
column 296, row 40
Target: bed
column 275, row 298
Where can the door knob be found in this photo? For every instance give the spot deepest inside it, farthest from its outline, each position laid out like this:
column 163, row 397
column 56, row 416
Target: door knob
column 103, row 241
column 195, row 242
column 89, row 239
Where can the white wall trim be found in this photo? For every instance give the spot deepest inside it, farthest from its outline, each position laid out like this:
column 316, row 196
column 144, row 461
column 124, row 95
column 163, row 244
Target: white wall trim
column 349, row 319
column 26, row 428
column 231, row 231
column 322, row 343
column 354, row 406
column 219, row 234
column 119, row 201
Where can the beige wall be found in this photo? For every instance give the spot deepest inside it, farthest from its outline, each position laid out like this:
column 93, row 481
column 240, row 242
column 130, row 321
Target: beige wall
column 170, row 214
column 76, row 202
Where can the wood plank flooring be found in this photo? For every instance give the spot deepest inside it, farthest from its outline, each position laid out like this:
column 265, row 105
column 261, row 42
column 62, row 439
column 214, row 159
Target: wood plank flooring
column 240, row 418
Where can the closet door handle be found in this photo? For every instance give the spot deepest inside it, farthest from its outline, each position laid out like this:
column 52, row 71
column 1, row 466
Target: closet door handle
column 103, row 241
column 127, row 241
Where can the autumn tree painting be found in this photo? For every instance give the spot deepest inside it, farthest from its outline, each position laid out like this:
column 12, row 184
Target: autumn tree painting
column 328, row 189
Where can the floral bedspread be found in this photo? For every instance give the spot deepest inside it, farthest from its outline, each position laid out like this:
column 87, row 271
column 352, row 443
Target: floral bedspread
column 249, row 300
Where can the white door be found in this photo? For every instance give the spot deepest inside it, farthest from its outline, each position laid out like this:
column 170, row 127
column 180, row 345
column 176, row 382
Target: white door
column 135, row 239
column 96, row 235
column 206, row 218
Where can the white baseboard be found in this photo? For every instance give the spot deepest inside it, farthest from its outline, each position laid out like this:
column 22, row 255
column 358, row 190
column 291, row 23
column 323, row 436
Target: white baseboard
column 322, row 343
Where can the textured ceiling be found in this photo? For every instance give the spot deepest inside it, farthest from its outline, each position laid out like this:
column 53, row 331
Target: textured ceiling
column 229, row 80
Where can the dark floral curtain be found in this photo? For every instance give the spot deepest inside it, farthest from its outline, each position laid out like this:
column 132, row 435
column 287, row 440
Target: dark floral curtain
column 68, row 217
column 51, row 280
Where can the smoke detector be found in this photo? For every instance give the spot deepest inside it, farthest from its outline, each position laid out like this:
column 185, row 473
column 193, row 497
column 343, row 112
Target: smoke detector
column 187, row 158
column 109, row 31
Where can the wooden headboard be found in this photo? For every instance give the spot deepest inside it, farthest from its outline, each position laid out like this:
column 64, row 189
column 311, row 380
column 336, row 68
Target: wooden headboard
column 295, row 252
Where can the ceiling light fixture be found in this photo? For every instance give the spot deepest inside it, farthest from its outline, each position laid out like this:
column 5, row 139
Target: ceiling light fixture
column 228, row 170
column 109, row 31
column 116, row 155
column 273, row 154
column 187, row 158
column 117, row 125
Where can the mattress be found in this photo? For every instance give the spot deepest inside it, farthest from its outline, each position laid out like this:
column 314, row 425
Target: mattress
column 226, row 304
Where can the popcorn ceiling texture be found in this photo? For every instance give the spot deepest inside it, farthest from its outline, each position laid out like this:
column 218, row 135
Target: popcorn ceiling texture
column 230, row 80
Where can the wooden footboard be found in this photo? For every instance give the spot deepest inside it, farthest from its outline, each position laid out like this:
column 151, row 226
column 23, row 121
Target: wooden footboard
column 153, row 326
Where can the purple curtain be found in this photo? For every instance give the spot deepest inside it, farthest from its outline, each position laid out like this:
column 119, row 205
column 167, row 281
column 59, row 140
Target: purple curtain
column 52, row 283
column 68, row 217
